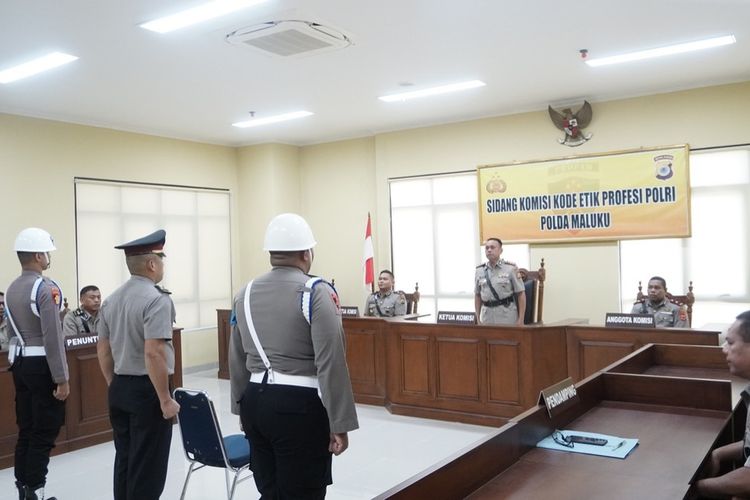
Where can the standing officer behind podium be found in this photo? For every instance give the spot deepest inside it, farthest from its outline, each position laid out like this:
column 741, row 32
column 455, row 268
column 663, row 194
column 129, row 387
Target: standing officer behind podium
column 385, row 302
column 737, row 482
column 496, row 289
column 40, row 370
column 666, row 314
column 136, row 357
column 288, row 342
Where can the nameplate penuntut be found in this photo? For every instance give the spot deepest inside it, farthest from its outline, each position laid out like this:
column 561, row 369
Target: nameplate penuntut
column 80, row 340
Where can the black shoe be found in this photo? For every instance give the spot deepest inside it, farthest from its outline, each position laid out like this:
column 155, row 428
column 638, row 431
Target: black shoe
column 35, row 493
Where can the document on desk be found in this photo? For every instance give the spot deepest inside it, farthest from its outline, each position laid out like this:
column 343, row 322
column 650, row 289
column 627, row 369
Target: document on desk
column 615, row 447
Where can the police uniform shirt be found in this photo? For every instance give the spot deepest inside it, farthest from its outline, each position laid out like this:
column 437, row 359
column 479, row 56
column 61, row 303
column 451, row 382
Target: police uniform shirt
column 506, row 283
column 293, row 346
column 666, row 314
column 3, row 335
column 137, row 311
column 75, row 320
column 43, row 330
column 390, row 304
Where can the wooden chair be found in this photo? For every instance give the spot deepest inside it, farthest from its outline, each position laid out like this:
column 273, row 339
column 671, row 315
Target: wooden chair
column 686, row 300
column 412, row 300
column 533, row 282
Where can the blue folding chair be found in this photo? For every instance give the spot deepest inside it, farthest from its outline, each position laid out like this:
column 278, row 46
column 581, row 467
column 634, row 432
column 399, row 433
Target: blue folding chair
column 204, row 443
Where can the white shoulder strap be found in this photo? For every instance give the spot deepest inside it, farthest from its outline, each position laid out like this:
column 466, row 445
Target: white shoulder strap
column 251, row 327
column 13, row 324
column 307, row 298
column 35, row 293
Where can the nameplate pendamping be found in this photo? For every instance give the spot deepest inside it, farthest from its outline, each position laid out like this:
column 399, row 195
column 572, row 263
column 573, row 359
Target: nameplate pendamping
column 558, row 397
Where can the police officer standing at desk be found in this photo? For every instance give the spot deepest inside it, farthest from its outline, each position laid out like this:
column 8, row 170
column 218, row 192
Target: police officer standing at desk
column 136, row 357
column 496, row 289
column 288, row 342
column 40, row 368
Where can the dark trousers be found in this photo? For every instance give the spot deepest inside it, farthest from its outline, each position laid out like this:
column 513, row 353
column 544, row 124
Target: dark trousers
column 142, row 438
column 39, row 417
column 289, row 434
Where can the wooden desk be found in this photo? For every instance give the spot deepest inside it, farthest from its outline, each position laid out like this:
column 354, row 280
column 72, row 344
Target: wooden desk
column 86, row 409
column 475, row 374
column 677, row 421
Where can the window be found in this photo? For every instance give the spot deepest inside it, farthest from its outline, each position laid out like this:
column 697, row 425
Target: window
column 714, row 258
column 434, row 237
column 197, row 221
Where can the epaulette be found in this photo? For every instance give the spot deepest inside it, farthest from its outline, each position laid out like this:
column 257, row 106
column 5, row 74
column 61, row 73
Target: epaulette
column 480, row 265
column 78, row 312
column 162, row 289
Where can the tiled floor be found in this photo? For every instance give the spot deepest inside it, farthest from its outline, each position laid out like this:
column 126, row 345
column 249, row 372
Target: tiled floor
column 385, row 450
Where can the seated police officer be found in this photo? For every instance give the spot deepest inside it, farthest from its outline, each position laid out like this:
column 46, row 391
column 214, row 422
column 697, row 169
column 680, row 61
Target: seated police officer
column 666, row 314
column 83, row 320
column 385, row 302
column 497, row 288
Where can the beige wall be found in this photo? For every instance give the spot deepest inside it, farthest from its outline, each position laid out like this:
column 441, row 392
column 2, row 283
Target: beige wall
column 335, row 184
column 712, row 116
column 40, row 158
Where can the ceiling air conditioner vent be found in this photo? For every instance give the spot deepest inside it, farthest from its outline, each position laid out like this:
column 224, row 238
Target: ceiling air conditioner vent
column 289, row 38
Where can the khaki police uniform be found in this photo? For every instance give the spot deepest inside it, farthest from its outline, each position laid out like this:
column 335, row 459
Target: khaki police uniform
column 37, row 371
column 3, row 335
column 80, row 322
column 288, row 420
column 387, row 305
column 506, row 283
column 136, row 311
column 666, row 314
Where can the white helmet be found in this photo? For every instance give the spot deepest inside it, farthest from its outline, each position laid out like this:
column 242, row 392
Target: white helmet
column 33, row 239
column 288, row 232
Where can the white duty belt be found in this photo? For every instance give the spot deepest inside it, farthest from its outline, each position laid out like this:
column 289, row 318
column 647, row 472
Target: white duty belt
column 269, row 376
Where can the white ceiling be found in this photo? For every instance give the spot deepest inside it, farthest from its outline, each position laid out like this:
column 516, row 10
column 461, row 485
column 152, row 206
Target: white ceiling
column 191, row 84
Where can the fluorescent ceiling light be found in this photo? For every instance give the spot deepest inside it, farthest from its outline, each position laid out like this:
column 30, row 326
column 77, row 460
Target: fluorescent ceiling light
column 663, row 51
column 444, row 89
column 198, row 14
column 272, row 119
column 30, row 68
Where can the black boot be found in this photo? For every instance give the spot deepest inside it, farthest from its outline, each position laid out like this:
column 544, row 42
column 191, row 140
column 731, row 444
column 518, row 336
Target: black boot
column 21, row 491
column 35, row 493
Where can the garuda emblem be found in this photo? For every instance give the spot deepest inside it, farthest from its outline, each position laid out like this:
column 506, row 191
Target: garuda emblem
column 572, row 124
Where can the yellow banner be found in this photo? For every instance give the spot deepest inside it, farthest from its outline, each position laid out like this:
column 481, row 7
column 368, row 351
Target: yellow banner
column 635, row 194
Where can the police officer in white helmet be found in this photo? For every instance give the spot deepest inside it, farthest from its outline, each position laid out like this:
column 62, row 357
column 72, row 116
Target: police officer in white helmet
column 288, row 342
column 40, row 370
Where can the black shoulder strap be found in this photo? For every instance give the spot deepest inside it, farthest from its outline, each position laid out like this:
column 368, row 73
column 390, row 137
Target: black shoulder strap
column 380, row 312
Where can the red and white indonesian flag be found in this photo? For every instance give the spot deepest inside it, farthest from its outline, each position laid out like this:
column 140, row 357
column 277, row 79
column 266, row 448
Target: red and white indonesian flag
column 368, row 255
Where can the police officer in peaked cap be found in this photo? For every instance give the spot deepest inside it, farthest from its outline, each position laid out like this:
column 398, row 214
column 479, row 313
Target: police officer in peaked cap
column 136, row 357
column 287, row 341
column 37, row 354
